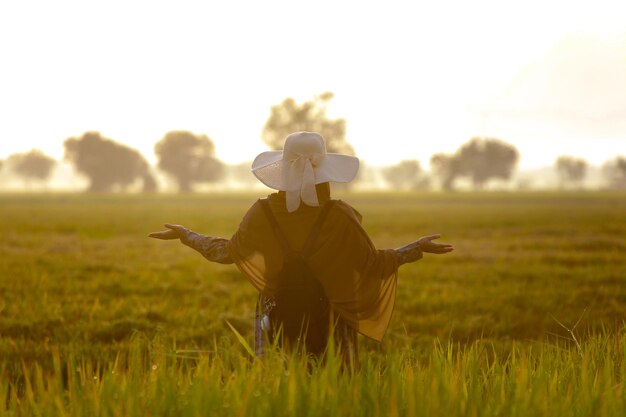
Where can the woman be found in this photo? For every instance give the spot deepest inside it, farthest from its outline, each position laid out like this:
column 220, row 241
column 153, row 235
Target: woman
column 357, row 281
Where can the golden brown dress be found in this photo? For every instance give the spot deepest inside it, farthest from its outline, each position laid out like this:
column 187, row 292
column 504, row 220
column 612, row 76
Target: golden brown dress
column 359, row 280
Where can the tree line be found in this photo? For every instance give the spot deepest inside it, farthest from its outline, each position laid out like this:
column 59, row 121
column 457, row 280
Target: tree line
column 189, row 158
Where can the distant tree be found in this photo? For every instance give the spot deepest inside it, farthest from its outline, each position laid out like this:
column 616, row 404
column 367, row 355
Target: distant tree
column 31, row 166
column 188, row 158
column 106, row 163
column 149, row 183
column 445, row 167
column 482, row 159
column 406, row 174
column 570, row 170
column 615, row 172
column 289, row 116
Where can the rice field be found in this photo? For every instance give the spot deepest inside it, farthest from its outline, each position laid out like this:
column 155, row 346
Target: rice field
column 97, row 319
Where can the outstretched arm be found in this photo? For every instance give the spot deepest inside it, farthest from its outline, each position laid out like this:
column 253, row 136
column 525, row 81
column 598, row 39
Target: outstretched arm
column 414, row 251
column 214, row 249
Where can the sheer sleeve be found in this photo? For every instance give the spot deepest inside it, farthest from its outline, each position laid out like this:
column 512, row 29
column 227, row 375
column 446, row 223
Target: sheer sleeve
column 215, row 249
column 409, row 253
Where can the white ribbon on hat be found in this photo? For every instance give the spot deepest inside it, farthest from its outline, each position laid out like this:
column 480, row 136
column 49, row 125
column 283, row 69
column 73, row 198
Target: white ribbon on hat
column 299, row 176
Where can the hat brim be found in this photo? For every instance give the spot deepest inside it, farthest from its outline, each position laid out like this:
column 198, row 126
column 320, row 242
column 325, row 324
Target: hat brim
column 268, row 168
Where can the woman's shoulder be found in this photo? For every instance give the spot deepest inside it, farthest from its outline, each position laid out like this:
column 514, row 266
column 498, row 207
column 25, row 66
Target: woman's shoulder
column 347, row 210
column 252, row 216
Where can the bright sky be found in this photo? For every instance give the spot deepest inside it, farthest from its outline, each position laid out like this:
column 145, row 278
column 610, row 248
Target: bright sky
column 411, row 78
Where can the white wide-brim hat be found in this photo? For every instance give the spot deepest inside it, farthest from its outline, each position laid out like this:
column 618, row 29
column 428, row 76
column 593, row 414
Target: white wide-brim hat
column 301, row 165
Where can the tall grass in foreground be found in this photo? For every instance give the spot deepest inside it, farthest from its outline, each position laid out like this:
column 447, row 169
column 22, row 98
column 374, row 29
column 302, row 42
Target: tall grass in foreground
column 153, row 379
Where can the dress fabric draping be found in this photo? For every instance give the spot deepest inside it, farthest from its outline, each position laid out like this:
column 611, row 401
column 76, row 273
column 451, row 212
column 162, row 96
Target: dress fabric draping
column 344, row 336
column 359, row 280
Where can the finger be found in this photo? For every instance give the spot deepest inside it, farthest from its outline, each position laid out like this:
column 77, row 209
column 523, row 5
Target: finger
column 165, row 235
column 443, row 245
column 156, row 235
column 439, row 246
column 174, row 228
column 160, row 234
column 431, row 237
column 437, row 249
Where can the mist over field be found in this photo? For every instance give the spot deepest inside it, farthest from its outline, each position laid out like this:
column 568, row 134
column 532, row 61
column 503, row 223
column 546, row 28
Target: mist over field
column 239, row 178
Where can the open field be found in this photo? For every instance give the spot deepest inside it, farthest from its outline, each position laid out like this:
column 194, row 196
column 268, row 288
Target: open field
column 95, row 317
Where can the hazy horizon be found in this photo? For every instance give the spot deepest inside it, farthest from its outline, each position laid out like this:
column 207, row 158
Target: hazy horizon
column 410, row 80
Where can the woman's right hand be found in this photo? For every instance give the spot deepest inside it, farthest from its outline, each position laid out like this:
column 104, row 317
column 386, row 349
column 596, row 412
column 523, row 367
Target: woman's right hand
column 413, row 251
column 426, row 244
column 175, row 231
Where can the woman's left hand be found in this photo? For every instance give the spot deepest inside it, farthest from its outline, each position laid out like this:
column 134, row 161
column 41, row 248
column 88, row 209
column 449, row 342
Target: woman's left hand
column 175, row 231
column 426, row 244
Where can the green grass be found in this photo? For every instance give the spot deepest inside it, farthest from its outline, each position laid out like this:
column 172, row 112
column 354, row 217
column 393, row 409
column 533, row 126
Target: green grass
column 148, row 379
column 473, row 332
